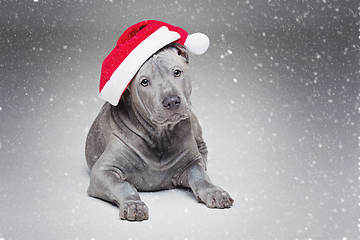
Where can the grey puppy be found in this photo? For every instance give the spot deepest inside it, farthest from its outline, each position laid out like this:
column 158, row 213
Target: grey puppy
column 151, row 141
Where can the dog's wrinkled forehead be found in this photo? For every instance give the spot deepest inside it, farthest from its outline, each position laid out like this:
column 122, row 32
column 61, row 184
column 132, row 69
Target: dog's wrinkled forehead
column 174, row 48
column 158, row 63
column 164, row 59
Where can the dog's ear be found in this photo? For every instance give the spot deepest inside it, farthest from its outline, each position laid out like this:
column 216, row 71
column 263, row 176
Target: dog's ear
column 182, row 52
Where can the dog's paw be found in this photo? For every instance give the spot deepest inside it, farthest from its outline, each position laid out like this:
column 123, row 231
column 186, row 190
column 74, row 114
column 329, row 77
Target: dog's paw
column 134, row 210
column 214, row 197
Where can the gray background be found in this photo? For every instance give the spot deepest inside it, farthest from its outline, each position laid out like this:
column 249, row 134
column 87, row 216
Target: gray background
column 277, row 94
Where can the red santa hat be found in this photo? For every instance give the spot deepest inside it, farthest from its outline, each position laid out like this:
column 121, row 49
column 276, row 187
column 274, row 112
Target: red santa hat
column 134, row 47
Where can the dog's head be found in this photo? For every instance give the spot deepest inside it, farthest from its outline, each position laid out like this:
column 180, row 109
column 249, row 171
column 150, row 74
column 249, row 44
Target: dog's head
column 160, row 91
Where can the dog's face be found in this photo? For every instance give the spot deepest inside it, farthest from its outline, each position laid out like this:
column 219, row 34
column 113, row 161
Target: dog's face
column 161, row 89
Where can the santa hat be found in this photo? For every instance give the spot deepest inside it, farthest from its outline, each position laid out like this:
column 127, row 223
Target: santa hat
column 134, row 47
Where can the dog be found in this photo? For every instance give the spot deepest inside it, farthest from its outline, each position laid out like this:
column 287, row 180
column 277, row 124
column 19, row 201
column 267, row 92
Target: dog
column 151, row 140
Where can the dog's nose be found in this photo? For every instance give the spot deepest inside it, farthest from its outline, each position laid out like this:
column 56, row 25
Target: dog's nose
column 171, row 102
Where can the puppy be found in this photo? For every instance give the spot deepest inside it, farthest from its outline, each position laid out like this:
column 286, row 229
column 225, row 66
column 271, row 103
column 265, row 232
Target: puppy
column 151, row 140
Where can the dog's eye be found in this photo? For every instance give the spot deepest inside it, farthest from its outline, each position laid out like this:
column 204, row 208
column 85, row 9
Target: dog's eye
column 177, row 73
column 145, row 82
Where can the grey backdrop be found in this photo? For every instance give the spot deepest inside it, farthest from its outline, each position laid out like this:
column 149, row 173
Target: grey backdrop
column 277, row 94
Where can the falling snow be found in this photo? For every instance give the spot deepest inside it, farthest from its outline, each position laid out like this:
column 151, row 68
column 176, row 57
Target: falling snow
column 277, row 94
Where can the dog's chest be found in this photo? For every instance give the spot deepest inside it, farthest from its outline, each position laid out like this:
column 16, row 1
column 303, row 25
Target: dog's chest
column 150, row 169
column 151, row 174
column 152, row 160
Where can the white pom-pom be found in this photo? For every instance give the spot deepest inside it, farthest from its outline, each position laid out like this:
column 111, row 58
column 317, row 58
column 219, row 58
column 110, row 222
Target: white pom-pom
column 197, row 43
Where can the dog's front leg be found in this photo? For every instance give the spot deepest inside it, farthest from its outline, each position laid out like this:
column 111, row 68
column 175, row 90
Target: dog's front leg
column 213, row 196
column 105, row 183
